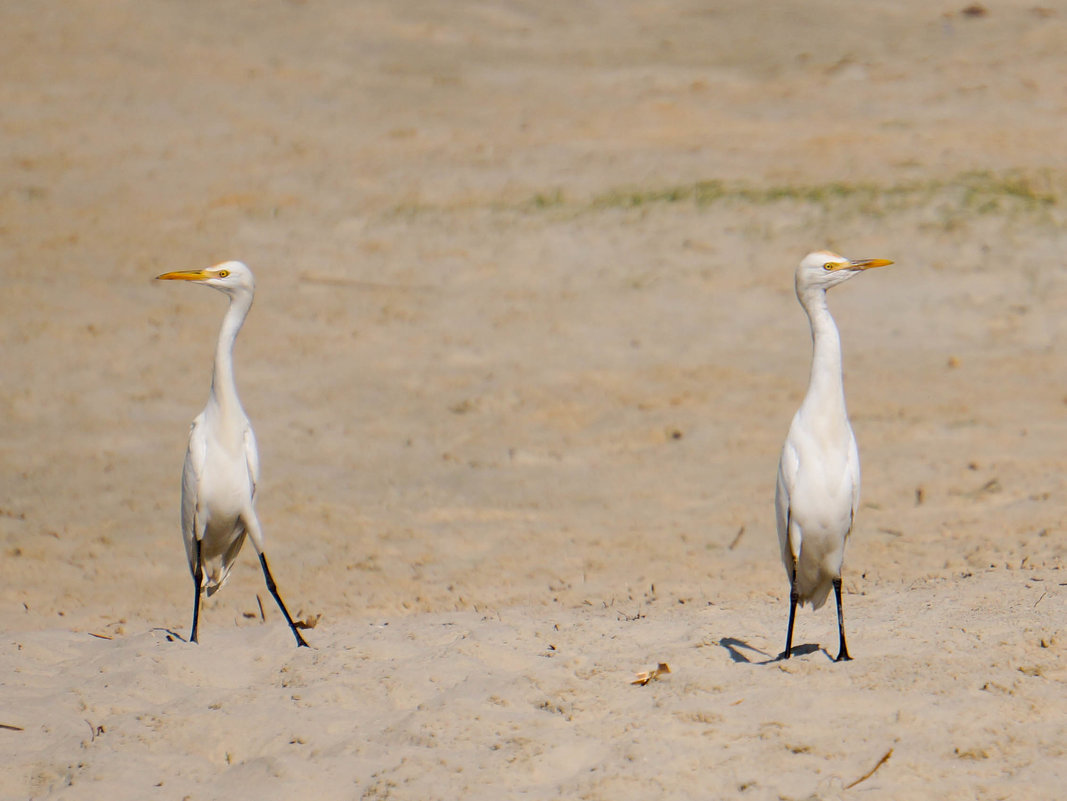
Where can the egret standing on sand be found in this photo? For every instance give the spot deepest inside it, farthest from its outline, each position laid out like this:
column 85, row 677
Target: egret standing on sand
column 819, row 471
column 222, row 462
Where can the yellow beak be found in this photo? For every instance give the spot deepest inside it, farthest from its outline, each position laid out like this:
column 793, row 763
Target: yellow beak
column 184, row 275
column 862, row 264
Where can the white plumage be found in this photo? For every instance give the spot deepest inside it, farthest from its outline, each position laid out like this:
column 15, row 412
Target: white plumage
column 819, row 470
column 222, row 462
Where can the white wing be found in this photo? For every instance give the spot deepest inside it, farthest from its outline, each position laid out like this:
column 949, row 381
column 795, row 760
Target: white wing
column 251, row 457
column 192, row 476
column 853, row 467
column 788, row 465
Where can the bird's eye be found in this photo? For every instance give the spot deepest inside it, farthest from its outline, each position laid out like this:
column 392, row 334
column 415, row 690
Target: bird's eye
column 829, row 265
column 223, row 273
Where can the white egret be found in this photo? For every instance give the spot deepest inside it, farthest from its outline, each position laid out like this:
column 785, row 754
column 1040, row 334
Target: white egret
column 222, row 461
column 819, row 470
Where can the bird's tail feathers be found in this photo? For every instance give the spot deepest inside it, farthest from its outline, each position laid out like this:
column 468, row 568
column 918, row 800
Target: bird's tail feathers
column 214, row 579
column 217, row 569
column 817, row 595
column 813, row 584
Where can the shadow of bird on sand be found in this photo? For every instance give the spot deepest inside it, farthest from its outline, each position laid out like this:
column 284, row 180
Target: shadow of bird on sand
column 733, row 646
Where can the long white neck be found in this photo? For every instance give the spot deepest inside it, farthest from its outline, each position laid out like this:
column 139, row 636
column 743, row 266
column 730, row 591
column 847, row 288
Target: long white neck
column 223, row 383
column 825, row 400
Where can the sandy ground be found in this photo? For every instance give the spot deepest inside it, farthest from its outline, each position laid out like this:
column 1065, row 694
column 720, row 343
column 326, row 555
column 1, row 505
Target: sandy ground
column 524, row 349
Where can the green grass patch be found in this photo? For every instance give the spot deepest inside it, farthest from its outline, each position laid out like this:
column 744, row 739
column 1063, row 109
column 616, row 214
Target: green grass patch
column 967, row 194
column 977, row 192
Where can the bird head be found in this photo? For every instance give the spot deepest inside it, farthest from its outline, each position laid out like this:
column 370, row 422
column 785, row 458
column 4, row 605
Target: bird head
column 231, row 277
column 824, row 269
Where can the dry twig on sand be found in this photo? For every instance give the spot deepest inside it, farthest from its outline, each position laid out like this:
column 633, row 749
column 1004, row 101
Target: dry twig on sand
column 868, row 774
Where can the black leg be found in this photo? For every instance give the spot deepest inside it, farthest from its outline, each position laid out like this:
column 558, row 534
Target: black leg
column 274, row 591
column 794, row 597
column 198, row 580
column 842, row 654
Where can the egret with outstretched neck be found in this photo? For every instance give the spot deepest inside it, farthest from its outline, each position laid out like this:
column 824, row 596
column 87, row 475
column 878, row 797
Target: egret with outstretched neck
column 819, row 470
column 222, row 462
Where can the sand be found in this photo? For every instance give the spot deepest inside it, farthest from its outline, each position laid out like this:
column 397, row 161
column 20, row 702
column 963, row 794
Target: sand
column 523, row 352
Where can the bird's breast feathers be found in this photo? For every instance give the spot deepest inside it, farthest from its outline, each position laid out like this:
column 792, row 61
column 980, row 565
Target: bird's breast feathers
column 225, row 485
column 821, row 480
